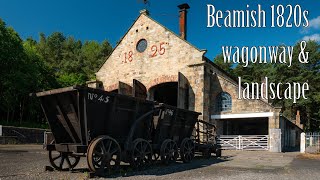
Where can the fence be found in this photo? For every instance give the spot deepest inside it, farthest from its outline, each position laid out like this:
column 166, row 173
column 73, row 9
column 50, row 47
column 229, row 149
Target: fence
column 244, row 142
column 311, row 142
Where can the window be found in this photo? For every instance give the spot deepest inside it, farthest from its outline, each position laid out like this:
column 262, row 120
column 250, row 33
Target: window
column 142, row 45
column 224, row 102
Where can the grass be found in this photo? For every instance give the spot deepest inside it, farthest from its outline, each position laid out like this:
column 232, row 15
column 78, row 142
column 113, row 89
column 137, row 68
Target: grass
column 310, row 156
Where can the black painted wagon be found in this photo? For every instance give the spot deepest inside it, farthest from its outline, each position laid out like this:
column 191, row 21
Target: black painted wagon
column 173, row 131
column 108, row 128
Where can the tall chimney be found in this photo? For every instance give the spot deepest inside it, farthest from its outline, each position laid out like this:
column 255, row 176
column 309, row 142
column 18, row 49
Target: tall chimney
column 183, row 20
column 298, row 117
column 298, row 120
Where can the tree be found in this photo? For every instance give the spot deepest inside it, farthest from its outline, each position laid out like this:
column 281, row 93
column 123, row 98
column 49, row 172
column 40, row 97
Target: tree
column 12, row 65
column 228, row 67
column 94, row 55
column 73, row 62
column 30, row 66
column 55, row 47
column 22, row 72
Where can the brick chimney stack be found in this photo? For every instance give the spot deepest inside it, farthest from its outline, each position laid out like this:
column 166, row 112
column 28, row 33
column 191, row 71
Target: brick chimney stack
column 183, row 20
column 298, row 122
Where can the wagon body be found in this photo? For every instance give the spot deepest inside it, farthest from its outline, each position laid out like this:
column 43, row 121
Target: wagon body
column 76, row 115
column 174, row 123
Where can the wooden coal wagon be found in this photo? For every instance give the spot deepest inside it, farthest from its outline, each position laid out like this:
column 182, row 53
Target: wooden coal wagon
column 108, row 128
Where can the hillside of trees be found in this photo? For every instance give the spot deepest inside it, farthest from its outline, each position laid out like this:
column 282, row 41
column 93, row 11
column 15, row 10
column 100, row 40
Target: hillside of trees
column 298, row 72
column 31, row 66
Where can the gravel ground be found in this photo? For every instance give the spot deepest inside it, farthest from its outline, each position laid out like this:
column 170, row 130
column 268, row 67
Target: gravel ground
column 29, row 161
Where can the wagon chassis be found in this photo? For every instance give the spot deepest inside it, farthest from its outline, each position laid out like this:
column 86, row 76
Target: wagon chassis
column 202, row 142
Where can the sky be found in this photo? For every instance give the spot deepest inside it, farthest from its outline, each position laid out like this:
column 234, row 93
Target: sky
column 110, row 19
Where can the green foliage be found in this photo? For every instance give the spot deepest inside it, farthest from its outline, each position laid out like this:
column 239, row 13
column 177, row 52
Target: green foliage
column 30, row 66
column 11, row 55
column 228, row 67
column 71, row 79
column 72, row 61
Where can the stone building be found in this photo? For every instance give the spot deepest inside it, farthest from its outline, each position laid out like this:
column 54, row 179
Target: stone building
column 152, row 62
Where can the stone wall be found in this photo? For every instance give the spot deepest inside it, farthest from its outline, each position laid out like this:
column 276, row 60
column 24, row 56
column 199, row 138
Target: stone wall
column 223, row 83
column 20, row 135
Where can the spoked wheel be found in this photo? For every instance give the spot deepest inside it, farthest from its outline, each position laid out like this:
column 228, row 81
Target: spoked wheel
column 141, row 154
column 103, row 154
column 169, row 151
column 187, row 150
column 155, row 156
column 63, row 161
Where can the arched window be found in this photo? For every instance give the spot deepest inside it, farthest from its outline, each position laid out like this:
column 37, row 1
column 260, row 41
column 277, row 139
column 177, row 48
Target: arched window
column 224, row 102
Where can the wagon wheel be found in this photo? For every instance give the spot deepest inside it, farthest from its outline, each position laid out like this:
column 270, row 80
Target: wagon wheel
column 104, row 154
column 218, row 152
column 206, row 153
column 187, row 150
column 169, row 151
column 156, row 156
column 63, row 161
column 141, row 153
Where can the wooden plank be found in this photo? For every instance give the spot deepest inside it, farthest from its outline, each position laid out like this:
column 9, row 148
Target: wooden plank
column 55, row 91
column 64, row 123
column 139, row 90
column 183, row 92
column 124, row 89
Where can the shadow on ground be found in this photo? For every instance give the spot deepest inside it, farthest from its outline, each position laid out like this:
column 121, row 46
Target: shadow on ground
column 12, row 151
column 158, row 169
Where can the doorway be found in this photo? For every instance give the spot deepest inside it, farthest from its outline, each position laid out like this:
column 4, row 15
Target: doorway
column 165, row 93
